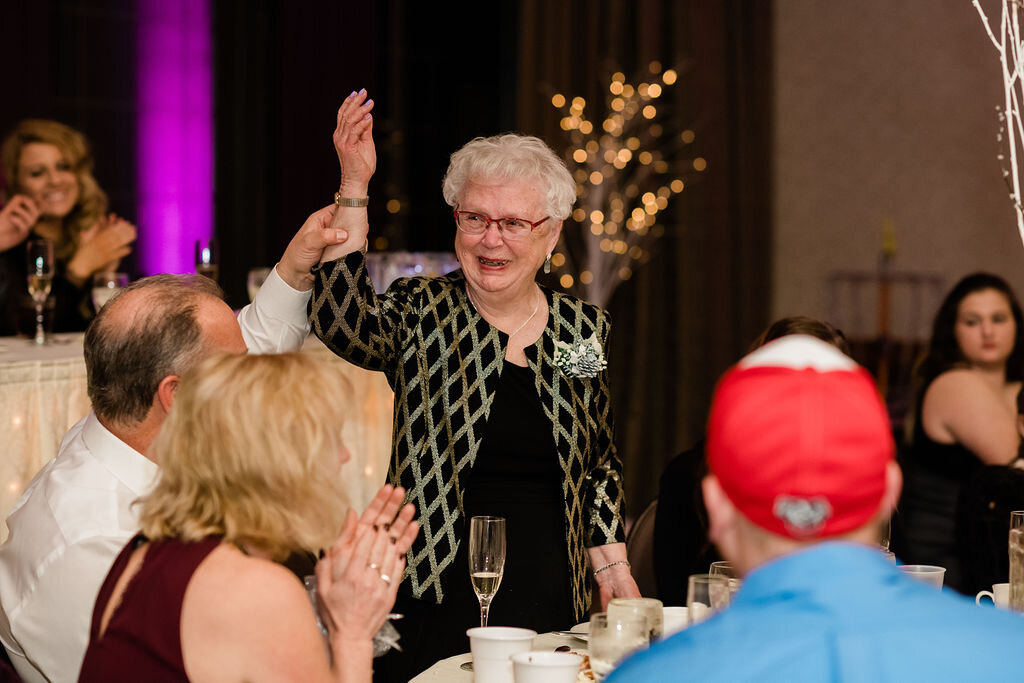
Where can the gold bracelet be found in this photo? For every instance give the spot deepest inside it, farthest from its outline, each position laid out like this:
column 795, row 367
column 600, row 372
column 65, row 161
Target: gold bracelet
column 610, row 565
column 349, row 201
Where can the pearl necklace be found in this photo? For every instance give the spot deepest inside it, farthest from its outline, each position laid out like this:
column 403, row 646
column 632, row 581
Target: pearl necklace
column 536, row 307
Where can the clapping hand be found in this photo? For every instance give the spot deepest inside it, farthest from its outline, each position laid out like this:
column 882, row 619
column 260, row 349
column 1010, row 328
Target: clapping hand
column 358, row 577
column 16, row 219
column 101, row 247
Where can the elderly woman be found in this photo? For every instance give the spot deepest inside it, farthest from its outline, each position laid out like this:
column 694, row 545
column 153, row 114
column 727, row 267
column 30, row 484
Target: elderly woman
column 966, row 414
column 249, row 473
column 50, row 192
column 501, row 398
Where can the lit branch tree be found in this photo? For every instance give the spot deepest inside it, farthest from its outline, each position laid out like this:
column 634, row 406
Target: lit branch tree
column 1011, row 59
column 623, row 170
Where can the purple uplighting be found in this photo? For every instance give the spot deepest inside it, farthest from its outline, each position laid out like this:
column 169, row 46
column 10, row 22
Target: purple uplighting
column 175, row 132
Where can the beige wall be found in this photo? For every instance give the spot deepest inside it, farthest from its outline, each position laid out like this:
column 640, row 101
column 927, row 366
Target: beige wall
column 885, row 110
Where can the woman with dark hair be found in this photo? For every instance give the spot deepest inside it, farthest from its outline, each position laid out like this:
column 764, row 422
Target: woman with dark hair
column 49, row 191
column 965, row 414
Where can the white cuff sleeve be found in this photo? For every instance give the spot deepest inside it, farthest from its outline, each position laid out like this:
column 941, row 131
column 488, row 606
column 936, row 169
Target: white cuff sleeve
column 275, row 322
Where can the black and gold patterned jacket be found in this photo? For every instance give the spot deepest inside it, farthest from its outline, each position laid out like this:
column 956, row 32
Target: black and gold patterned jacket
column 443, row 361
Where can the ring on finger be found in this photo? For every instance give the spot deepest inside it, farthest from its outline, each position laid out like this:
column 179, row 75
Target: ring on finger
column 385, row 578
column 373, row 565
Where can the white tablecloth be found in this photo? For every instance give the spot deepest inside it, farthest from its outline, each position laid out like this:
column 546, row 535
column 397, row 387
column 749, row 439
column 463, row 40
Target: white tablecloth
column 42, row 394
column 448, row 669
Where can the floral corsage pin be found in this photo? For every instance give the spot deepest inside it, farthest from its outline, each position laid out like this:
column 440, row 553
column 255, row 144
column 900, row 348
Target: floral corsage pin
column 585, row 359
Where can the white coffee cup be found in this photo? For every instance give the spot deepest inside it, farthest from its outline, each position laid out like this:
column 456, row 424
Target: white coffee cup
column 674, row 619
column 927, row 573
column 546, row 667
column 1000, row 595
column 492, row 646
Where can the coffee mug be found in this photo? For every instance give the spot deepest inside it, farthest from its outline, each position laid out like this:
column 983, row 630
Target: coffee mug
column 546, row 667
column 492, row 646
column 1000, row 595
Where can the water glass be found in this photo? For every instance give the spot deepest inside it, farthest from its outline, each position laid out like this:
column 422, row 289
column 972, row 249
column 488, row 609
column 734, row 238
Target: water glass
column 649, row 609
column 726, row 569
column 612, row 639
column 255, row 280
column 705, row 595
column 105, row 286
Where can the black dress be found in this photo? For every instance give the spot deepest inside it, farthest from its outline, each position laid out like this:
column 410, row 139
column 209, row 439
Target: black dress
column 934, row 474
column 517, row 476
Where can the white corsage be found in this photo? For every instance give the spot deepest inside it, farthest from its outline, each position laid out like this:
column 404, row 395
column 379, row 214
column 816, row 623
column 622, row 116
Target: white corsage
column 585, row 359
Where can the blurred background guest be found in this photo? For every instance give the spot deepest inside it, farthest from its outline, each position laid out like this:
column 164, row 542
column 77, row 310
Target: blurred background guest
column 965, row 415
column 681, row 543
column 795, row 497
column 49, row 191
column 492, row 417
column 250, row 473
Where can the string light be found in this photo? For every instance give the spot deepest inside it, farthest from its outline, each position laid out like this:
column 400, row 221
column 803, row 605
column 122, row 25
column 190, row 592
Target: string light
column 620, row 161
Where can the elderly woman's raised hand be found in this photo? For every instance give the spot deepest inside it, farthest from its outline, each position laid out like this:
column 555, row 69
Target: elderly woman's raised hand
column 101, row 247
column 353, row 141
column 16, row 219
column 358, row 577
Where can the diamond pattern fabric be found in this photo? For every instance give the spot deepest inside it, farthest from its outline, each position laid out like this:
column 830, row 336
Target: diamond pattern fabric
column 443, row 362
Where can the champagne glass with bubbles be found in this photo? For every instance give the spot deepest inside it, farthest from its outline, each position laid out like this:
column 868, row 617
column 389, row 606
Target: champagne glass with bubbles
column 40, row 279
column 486, row 559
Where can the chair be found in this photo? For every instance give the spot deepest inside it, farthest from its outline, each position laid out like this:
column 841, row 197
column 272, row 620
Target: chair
column 640, row 551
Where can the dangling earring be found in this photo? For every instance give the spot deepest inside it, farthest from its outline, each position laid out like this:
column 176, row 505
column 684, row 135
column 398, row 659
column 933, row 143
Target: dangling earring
column 547, row 263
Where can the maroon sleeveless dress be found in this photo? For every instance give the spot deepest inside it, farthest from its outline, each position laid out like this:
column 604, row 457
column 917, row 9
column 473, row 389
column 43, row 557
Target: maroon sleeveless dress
column 143, row 639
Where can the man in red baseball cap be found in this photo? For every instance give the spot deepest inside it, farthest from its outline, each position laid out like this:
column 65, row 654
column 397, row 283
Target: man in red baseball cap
column 802, row 475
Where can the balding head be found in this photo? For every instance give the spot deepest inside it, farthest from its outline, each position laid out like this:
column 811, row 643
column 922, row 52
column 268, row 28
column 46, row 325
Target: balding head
column 158, row 327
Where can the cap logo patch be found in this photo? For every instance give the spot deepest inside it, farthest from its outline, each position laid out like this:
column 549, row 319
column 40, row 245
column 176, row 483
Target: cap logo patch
column 802, row 515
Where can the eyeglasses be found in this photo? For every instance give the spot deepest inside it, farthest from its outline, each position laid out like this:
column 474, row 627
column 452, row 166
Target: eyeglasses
column 511, row 228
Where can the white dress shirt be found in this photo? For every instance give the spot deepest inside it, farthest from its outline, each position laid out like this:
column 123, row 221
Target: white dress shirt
column 77, row 514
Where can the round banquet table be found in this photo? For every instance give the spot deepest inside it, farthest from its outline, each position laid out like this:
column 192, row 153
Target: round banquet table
column 448, row 670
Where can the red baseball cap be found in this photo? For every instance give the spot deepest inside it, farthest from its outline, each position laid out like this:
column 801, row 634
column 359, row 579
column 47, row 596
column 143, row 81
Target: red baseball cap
column 799, row 439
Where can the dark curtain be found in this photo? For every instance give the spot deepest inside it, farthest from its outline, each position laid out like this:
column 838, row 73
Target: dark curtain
column 690, row 312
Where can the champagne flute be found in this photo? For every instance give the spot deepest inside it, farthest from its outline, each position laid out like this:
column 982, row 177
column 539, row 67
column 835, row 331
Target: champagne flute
column 486, row 563
column 206, row 258
column 40, row 280
column 486, row 559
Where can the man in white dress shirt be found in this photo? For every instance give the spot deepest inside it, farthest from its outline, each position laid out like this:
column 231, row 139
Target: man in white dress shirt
column 77, row 513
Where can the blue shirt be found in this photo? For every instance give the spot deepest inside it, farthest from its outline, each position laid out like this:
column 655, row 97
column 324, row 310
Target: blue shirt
column 838, row 612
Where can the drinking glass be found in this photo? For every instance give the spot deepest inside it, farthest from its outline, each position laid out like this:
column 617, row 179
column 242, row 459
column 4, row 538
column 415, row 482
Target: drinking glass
column 206, row 258
column 613, row 638
column 105, row 286
column 1017, row 561
column 929, row 573
column 885, row 533
column 255, row 280
column 39, row 253
column 486, row 559
column 649, row 609
column 725, row 568
column 705, row 595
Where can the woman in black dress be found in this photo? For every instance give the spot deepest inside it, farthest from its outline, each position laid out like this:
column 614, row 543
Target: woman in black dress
column 501, row 394
column 966, row 415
